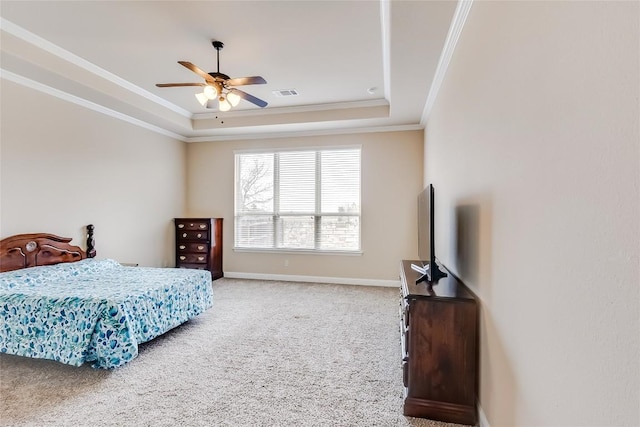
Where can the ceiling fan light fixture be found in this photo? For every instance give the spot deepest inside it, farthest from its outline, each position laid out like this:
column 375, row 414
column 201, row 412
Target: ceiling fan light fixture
column 210, row 92
column 220, row 87
column 224, row 104
column 202, row 99
column 233, row 98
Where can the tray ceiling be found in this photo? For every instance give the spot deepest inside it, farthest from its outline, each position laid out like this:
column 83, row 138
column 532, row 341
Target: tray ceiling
column 356, row 65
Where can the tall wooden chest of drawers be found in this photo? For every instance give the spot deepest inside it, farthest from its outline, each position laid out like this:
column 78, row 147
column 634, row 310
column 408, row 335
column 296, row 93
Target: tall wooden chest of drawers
column 199, row 244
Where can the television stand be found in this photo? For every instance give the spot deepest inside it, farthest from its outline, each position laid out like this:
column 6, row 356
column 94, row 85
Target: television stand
column 419, row 268
column 426, row 273
column 439, row 340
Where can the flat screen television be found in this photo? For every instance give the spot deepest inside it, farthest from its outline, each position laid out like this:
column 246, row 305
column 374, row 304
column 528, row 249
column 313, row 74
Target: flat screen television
column 430, row 272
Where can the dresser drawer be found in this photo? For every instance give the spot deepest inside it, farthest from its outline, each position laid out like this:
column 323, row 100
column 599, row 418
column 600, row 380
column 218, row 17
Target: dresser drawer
column 194, row 266
column 193, row 235
column 192, row 247
column 192, row 258
column 192, row 225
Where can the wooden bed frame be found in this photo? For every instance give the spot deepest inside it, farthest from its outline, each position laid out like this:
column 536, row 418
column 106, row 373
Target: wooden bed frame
column 31, row 250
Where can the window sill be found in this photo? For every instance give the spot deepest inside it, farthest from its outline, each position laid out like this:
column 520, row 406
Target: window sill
column 298, row 251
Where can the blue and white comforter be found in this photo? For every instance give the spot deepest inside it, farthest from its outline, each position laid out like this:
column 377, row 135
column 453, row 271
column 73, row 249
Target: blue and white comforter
column 95, row 310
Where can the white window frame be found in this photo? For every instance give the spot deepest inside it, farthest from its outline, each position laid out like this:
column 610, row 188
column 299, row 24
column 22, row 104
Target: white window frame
column 317, row 214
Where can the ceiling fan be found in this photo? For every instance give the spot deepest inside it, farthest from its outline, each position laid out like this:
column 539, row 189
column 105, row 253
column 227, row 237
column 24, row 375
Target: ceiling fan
column 220, row 87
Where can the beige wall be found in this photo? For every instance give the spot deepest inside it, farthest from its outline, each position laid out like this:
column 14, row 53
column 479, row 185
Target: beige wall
column 64, row 166
column 533, row 146
column 391, row 180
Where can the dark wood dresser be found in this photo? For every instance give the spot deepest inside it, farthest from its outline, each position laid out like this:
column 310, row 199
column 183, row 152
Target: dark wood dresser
column 439, row 338
column 199, row 244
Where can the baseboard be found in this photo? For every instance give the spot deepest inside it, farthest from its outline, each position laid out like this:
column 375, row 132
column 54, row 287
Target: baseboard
column 313, row 279
column 482, row 418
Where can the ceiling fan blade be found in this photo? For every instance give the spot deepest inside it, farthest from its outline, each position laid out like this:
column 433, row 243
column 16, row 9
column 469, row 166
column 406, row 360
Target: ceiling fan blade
column 241, row 81
column 244, row 95
column 179, row 84
column 197, row 70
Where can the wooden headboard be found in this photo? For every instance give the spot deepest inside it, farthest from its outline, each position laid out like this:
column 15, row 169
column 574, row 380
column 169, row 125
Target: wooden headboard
column 31, row 250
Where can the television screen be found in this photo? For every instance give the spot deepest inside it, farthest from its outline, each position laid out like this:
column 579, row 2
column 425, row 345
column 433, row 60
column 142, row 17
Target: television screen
column 426, row 237
column 424, row 234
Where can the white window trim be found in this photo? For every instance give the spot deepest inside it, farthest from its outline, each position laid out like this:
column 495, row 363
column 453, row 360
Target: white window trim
column 354, row 252
column 299, row 251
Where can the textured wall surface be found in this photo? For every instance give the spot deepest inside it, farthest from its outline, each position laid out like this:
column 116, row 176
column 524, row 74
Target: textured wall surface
column 533, row 147
column 64, row 166
column 391, row 178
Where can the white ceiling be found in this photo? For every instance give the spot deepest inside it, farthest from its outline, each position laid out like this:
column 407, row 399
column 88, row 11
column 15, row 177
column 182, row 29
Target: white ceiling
column 108, row 55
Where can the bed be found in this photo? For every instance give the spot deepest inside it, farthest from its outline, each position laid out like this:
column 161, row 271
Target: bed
column 58, row 302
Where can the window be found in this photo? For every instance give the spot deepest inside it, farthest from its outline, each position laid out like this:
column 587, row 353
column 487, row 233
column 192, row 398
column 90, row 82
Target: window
column 298, row 200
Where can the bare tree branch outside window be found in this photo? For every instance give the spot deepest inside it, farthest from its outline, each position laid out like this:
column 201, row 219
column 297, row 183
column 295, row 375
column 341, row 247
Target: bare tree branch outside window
column 256, row 184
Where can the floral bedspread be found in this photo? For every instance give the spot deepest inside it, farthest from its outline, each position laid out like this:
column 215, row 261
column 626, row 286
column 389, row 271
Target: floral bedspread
column 95, row 311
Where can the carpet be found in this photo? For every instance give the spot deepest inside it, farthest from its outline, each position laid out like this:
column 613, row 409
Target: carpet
column 267, row 354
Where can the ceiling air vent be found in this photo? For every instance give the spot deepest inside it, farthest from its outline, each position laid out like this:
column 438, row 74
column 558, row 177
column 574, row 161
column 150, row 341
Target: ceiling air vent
column 285, row 92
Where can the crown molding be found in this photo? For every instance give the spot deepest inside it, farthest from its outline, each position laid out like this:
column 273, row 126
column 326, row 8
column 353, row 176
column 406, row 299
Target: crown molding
column 380, row 102
column 318, row 132
column 32, row 84
column 53, row 49
column 455, row 29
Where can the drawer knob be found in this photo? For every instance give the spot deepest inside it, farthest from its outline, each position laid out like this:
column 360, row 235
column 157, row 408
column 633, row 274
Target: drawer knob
column 200, row 258
column 191, row 225
column 199, row 235
column 182, row 246
column 180, row 225
column 184, row 234
column 200, row 248
column 203, row 225
column 182, row 258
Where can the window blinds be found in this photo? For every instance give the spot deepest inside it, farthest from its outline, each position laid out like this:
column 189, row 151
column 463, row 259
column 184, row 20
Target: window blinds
column 298, row 200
